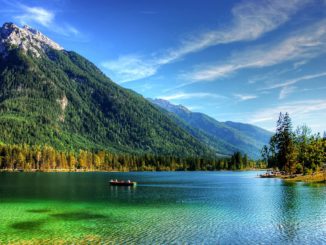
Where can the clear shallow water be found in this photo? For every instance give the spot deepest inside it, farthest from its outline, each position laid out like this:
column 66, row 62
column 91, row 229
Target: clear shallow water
column 166, row 207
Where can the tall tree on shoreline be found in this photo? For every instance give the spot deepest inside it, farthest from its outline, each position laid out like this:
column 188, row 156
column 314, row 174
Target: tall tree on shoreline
column 282, row 152
column 294, row 152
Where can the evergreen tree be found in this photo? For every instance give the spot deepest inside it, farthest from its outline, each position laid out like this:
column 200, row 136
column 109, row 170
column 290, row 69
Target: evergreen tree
column 298, row 151
column 285, row 143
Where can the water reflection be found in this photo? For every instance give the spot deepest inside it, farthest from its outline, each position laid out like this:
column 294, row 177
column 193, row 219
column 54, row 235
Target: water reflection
column 289, row 210
column 124, row 193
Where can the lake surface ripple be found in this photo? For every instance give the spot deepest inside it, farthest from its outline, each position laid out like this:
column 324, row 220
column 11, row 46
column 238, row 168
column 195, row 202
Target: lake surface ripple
column 164, row 208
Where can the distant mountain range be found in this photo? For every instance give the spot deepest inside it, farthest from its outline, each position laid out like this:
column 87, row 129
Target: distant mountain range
column 224, row 137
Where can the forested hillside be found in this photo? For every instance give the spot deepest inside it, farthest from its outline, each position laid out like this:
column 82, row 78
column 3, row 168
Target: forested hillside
column 224, row 137
column 55, row 97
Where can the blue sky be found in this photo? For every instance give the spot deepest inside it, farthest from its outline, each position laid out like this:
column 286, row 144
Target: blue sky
column 243, row 61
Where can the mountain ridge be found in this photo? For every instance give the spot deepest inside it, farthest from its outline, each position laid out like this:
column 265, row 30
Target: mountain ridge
column 224, row 137
column 49, row 95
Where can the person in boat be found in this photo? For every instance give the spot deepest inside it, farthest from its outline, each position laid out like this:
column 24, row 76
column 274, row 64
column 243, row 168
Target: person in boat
column 128, row 181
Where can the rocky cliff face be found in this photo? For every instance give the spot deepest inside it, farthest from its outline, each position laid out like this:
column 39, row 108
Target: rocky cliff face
column 26, row 39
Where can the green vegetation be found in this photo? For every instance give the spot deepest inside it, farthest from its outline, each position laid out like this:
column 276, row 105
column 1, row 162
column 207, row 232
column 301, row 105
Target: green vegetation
column 46, row 158
column 59, row 112
column 225, row 138
column 295, row 152
column 318, row 177
column 242, row 162
column 63, row 100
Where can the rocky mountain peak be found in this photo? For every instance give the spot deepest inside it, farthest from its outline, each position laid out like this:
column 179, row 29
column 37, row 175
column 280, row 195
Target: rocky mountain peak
column 169, row 106
column 26, row 38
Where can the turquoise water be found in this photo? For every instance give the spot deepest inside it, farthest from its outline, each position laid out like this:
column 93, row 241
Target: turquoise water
column 164, row 208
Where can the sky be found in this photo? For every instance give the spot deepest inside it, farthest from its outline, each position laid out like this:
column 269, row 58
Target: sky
column 243, row 61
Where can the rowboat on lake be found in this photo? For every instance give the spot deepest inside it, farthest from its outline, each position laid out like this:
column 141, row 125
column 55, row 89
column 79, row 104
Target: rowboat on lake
column 267, row 175
column 122, row 183
column 270, row 174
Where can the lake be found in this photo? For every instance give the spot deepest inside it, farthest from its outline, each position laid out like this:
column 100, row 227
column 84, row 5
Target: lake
column 164, row 208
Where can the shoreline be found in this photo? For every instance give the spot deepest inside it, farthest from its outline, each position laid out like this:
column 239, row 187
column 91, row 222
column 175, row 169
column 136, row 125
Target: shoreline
column 110, row 171
column 318, row 177
column 309, row 178
column 56, row 171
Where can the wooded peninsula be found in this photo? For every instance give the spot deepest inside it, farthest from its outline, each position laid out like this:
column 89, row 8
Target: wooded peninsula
column 296, row 152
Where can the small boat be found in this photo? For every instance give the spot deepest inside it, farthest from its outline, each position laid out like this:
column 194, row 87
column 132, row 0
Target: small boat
column 122, row 183
column 269, row 174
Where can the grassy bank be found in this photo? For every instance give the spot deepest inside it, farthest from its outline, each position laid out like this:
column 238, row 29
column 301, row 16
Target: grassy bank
column 311, row 178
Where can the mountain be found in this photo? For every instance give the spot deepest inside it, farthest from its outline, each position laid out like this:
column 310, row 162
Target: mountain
column 52, row 96
column 224, row 137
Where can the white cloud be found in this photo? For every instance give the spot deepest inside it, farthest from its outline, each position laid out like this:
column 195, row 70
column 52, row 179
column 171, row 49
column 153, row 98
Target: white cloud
column 38, row 16
column 71, row 29
column 183, row 96
column 128, row 68
column 269, row 76
column 298, row 64
column 296, row 80
column 209, row 73
column 244, row 97
column 250, row 21
column 35, row 14
column 307, row 44
column 294, row 108
column 285, row 91
column 313, row 89
column 287, row 88
column 310, row 112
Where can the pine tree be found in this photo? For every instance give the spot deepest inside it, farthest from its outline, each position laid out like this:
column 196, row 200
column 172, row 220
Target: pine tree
column 286, row 154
